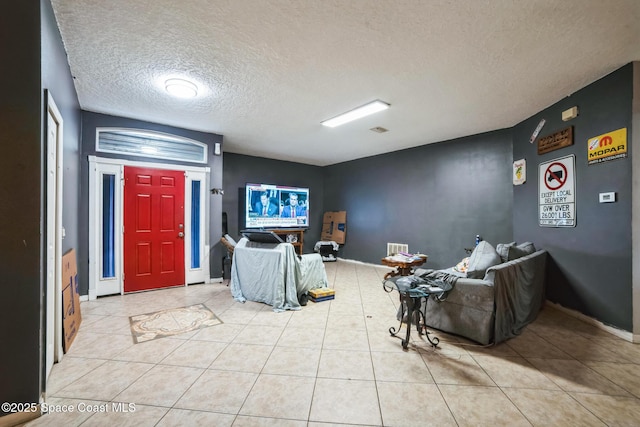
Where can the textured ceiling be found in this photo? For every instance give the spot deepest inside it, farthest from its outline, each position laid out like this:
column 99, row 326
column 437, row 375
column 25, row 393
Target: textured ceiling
column 270, row 71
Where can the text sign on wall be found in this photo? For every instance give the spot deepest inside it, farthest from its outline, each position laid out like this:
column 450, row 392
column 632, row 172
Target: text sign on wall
column 555, row 141
column 606, row 147
column 557, row 188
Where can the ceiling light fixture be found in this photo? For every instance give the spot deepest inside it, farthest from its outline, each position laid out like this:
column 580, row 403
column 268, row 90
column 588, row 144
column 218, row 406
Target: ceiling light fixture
column 356, row 113
column 181, row 88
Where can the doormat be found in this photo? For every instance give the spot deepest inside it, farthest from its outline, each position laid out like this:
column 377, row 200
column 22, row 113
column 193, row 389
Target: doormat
column 173, row 321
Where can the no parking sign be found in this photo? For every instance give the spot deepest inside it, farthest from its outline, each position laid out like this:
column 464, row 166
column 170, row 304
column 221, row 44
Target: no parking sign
column 557, row 188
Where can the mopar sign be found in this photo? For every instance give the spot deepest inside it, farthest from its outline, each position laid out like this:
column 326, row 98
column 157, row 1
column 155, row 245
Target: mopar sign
column 606, row 147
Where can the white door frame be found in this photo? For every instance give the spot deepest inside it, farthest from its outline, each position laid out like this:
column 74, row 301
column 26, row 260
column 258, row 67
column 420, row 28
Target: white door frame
column 196, row 274
column 98, row 167
column 53, row 351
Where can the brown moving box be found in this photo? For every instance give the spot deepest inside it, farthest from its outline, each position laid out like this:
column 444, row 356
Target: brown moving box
column 334, row 226
column 71, row 317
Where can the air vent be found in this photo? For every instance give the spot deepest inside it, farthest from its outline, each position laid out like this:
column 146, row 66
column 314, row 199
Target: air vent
column 396, row 248
column 379, row 129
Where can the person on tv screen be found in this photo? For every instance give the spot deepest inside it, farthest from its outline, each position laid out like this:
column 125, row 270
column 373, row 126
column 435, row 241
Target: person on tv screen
column 293, row 209
column 264, row 207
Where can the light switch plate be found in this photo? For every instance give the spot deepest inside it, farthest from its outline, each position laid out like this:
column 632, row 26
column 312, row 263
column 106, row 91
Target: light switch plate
column 607, row 197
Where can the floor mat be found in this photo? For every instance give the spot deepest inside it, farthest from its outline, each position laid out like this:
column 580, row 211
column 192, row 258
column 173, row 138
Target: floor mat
column 173, row 321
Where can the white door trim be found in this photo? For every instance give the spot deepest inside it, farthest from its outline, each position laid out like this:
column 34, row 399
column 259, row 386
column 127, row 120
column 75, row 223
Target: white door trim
column 98, row 285
column 98, row 166
column 53, row 351
column 198, row 274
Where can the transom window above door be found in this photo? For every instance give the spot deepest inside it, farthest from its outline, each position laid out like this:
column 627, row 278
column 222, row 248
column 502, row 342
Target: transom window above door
column 151, row 144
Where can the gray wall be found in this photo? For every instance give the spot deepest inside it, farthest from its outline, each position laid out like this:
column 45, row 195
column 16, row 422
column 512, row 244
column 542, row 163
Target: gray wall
column 240, row 169
column 56, row 78
column 91, row 121
column 435, row 198
column 590, row 268
column 33, row 61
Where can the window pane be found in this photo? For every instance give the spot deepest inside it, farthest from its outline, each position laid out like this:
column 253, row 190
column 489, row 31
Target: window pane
column 195, row 224
column 108, row 221
column 151, row 144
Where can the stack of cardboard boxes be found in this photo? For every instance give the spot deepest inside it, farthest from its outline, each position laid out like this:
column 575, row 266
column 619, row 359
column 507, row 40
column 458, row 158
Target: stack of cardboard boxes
column 71, row 316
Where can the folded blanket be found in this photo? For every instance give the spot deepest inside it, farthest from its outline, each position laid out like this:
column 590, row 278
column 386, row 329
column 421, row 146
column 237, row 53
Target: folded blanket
column 436, row 283
column 440, row 279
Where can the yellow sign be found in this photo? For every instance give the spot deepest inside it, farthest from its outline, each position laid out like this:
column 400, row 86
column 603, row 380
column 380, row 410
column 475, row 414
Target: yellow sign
column 608, row 146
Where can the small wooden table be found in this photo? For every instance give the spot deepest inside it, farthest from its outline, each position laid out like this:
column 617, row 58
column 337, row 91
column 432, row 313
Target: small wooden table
column 403, row 268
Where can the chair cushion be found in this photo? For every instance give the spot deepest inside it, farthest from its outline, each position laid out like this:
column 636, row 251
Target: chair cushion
column 521, row 250
column 483, row 257
column 528, row 247
column 503, row 250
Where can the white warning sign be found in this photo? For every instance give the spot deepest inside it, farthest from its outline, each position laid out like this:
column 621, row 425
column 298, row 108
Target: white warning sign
column 557, row 188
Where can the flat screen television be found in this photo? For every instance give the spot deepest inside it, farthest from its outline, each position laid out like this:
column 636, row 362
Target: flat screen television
column 276, row 206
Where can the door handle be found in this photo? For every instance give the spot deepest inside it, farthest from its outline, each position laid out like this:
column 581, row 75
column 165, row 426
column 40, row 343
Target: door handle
column 181, row 234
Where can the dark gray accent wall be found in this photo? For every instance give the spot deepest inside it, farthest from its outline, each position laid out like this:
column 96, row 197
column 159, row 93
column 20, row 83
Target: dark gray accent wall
column 91, row 121
column 57, row 80
column 240, row 169
column 21, row 206
column 435, row 198
column 590, row 265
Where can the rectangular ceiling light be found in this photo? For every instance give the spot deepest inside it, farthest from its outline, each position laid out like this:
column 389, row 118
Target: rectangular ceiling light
column 365, row 110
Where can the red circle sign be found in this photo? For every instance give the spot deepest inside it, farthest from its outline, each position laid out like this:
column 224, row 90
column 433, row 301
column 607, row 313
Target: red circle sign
column 559, row 176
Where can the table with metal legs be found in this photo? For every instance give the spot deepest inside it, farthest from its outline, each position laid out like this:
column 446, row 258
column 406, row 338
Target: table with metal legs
column 411, row 302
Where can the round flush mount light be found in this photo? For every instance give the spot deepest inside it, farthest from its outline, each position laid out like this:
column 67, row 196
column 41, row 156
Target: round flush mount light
column 181, row 88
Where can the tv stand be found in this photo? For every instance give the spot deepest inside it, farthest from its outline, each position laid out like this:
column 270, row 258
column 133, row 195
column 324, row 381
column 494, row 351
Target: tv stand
column 298, row 232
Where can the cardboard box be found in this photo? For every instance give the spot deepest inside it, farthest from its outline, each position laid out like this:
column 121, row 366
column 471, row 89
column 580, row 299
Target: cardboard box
column 71, row 316
column 334, row 227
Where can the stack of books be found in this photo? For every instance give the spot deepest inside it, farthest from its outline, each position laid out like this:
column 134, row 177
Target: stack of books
column 406, row 257
column 321, row 294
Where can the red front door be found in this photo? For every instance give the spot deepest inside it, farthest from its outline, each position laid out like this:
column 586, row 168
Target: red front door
column 153, row 228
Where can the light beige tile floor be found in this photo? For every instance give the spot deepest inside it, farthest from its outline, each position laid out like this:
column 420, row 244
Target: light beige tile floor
column 334, row 363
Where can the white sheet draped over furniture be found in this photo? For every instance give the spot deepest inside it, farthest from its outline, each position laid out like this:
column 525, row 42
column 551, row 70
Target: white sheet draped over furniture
column 273, row 274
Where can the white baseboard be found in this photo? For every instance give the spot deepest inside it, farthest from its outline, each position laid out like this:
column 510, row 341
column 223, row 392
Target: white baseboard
column 215, row 280
column 625, row 335
column 353, row 261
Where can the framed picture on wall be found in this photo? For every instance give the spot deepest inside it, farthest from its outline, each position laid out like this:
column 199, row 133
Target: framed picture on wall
column 519, row 172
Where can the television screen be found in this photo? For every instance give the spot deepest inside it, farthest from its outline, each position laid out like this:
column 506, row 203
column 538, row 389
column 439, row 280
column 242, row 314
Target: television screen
column 276, row 206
